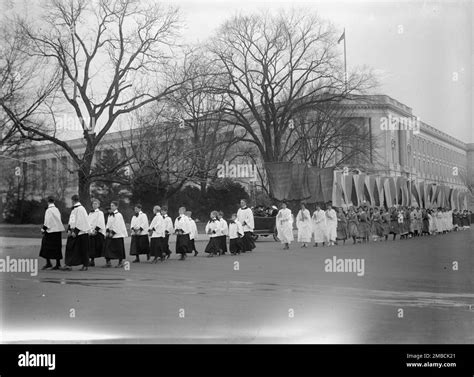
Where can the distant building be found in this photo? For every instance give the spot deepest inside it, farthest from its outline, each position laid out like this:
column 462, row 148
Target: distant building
column 403, row 146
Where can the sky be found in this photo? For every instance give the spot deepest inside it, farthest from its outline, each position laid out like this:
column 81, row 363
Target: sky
column 421, row 51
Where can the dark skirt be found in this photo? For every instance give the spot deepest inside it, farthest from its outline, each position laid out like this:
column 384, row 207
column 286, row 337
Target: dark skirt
column 341, row 231
column 77, row 250
column 214, row 246
column 96, row 245
column 223, row 242
column 51, row 246
column 157, row 247
column 378, row 229
column 394, row 227
column 352, row 229
column 363, row 229
column 235, row 245
column 167, row 244
column 114, row 248
column 182, row 244
column 426, row 226
column 192, row 245
column 139, row 245
column 248, row 244
column 385, row 228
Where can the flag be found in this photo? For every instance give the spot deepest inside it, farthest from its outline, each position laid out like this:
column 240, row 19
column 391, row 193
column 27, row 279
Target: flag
column 343, row 36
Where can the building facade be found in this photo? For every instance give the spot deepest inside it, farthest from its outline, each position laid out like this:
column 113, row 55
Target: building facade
column 403, row 146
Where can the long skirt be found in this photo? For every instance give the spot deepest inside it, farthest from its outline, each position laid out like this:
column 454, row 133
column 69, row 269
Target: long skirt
column 341, row 231
column 248, row 244
column 96, row 245
column 405, row 227
column 386, row 228
column 139, row 245
column 352, row 229
column 364, row 229
column 192, row 245
column 114, row 248
column 167, row 244
column 77, row 250
column 426, row 226
column 378, row 229
column 182, row 244
column 51, row 246
column 214, row 246
column 235, row 245
column 394, row 227
column 157, row 247
column 223, row 243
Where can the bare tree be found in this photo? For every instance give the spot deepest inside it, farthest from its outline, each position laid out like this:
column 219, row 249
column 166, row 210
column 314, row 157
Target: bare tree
column 277, row 66
column 112, row 57
column 199, row 110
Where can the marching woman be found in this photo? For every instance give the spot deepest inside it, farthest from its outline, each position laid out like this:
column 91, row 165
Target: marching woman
column 394, row 226
column 364, row 225
column 284, row 223
column 319, row 226
column 213, row 226
column 419, row 221
column 352, row 225
column 157, row 236
column 425, row 227
column 377, row 227
column 303, row 223
column 439, row 221
column 434, row 227
column 115, row 232
column 412, row 230
column 385, row 222
column 97, row 232
column 341, row 225
column 139, row 230
column 168, row 229
column 402, row 224
column 77, row 244
column 236, row 232
column 245, row 216
column 193, row 234
column 331, row 223
column 51, row 244
column 182, row 228
column 224, row 231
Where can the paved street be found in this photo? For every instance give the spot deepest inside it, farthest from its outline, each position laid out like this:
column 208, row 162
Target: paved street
column 273, row 296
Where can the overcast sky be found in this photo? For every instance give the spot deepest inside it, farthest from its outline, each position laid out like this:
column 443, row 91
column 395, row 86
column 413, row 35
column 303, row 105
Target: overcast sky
column 418, row 48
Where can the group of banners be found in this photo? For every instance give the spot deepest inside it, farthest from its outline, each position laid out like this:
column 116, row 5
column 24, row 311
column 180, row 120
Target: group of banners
column 290, row 181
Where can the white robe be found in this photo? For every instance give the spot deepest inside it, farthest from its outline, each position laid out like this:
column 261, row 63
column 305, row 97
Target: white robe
column 319, row 226
column 52, row 220
column 284, row 223
column 331, row 224
column 245, row 216
column 79, row 219
column 182, row 222
column 223, row 228
column 194, row 230
column 116, row 224
column 97, row 220
column 235, row 230
column 213, row 228
column 303, row 223
column 157, row 226
column 168, row 224
column 139, row 224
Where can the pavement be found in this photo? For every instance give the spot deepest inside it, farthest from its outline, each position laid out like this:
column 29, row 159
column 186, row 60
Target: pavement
column 412, row 291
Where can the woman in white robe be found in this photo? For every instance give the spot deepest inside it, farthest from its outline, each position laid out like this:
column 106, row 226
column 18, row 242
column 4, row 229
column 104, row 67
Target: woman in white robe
column 303, row 223
column 284, row 223
column 319, row 226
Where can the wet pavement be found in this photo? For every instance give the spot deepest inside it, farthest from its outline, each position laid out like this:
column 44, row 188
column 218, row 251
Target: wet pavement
column 412, row 291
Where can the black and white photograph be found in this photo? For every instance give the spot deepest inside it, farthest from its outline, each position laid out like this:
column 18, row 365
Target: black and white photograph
column 237, row 172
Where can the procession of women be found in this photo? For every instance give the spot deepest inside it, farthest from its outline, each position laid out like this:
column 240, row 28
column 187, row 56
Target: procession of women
column 363, row 224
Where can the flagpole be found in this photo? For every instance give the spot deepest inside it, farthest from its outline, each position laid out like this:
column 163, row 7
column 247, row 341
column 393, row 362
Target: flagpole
column 345, row 60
